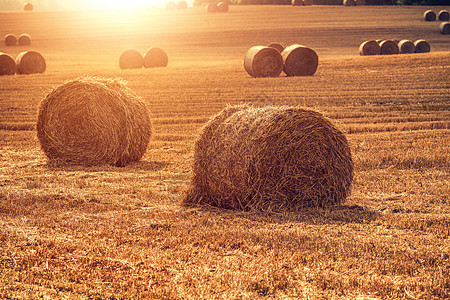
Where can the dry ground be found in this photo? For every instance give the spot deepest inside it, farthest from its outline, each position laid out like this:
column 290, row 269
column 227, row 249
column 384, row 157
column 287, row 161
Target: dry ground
column 107, row 232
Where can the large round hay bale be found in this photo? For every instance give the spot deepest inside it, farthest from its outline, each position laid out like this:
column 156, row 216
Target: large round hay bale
column 444, row 27
column 270, row 159
column 10, row 40
column 131, row 59
column 389, row 47
column 406, row 46
column 261, row 61
column 443, row 15
column 299, row 60
column 24, row 40
column 30, row 62
column 429, row 16
column 277, row 46
column 307, row 2
column 369, row 48
column 155, row 58
column 349, row 3
column 93, row 121
column 297, row 2
column 422, row 46
column 7, row 64
column 222, row 7
column 212, row 7
column 28, row 7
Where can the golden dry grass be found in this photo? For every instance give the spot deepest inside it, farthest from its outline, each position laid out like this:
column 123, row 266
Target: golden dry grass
column 107, row 232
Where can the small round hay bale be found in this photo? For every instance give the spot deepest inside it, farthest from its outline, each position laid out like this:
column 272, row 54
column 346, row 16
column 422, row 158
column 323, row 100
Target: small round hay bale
column 182, row 4
column 93, row 121
column 10, row 40
column 222, row 7
column 270, row 159
column 212, row 7
column 389, row 47
column 28, row 7
column 261, row 61
column 297, row 2
column 155, row 58
column 429, row 16
column 422, row 46
column 443, row 15
column 171, row 5
column 131, row 59
column 307, row 2
column 406, row 46
column 7, row 64
column 299, row 60
column 277, row 46
column 349, row 2
column 369, row 48
column 30, row 62
column 444, row 27
column 24, row 40
column 360, row 2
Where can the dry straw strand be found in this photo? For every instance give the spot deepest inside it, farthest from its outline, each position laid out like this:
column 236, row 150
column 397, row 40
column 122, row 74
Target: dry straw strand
column 422, row 46
column 443, row 15
column 429, row 16
column 406, row 46
column 155, row 58
column 369, row 48
column 7, row 65
column 24, row 40
column 10, row 40
column 93, row 121
column 131, row 59
column 261, row 61
column 30, row 62
column 299, row 60
column 270, row 158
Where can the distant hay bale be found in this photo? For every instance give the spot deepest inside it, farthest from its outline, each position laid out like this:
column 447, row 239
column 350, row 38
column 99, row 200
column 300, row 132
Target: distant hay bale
column 307, row 2
column 443, row 15
column 171, row 5
column 181, row 4
column 349, row 2
column 444, row 27
column 10, row 40
column 297, row 2
column 212, row 7
column 30, row 62
column 24, row 40
column 93, row 121
column 369, row 48
column 261, row 61
column 299, row 60
column 222, row 7
column 270, row 159
column 7, row 64
column 277, row 46
column 429, row 16
column 131, row 59
column 360, row 2
column 406, row 46
column 28, row 7
column 155, row 58
column 389, row 47
column 422, row 46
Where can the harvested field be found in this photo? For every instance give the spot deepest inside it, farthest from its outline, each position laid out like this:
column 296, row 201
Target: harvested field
column 121, row 232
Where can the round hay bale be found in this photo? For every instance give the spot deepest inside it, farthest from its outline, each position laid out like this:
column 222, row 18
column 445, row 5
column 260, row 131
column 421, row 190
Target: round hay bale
column 30, row 62
column 389, row 47
column 360, row 2
column 369, row 48
column 406, row 46
column 261, row 61
column 10, row 40
column 182, row 4
column 222, row 7
column 444, row 27
column 155, row 58
column 131, row 59
column 24, row 40
column 349, row 2
column 297, row 2
column 171, row 5
column 212, row 7
column 429, row 16
column 422, row 46
column 270, row 159
column 307, row 2
column 299, row 60
column 443, row 15
column 93, row 121
column 28, row 7
column 7, row 64
column 277, row 46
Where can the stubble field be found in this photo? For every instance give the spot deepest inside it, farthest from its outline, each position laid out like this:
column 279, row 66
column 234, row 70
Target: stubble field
column 118, row 233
